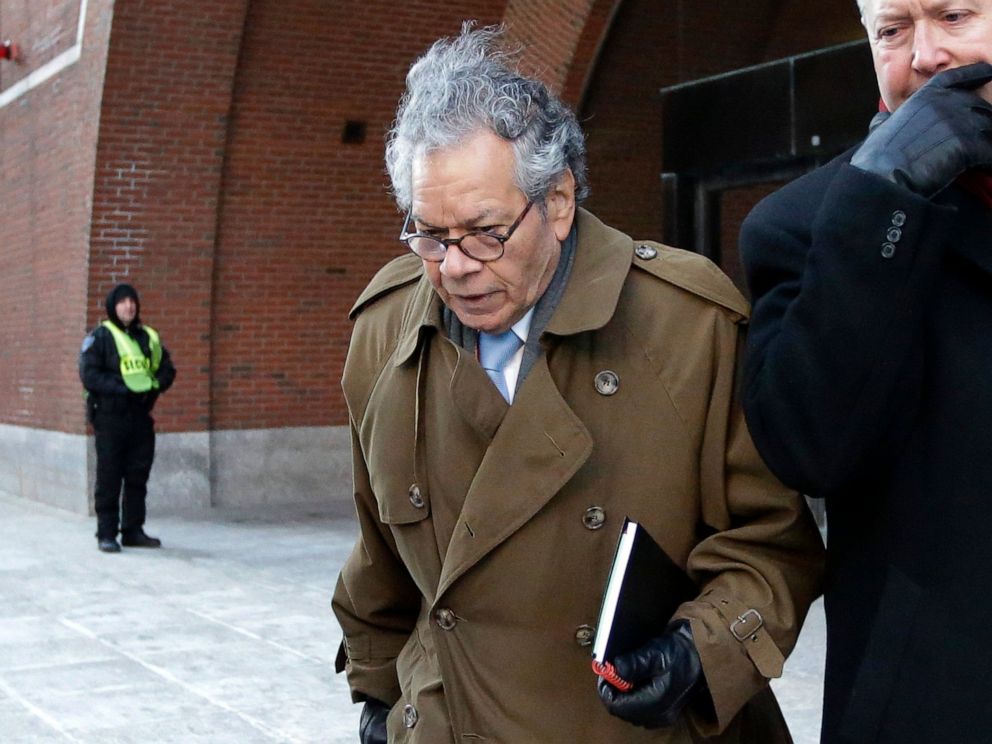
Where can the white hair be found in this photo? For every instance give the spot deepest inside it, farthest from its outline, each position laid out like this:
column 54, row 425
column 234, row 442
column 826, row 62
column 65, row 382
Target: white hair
column 467, row 84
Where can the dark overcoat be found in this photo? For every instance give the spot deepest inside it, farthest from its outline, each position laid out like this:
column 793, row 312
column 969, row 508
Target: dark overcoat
column 487, row 531
column 868, row 381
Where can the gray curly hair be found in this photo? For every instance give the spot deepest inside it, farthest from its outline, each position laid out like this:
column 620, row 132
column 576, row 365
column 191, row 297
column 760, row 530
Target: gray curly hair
column 466, row 84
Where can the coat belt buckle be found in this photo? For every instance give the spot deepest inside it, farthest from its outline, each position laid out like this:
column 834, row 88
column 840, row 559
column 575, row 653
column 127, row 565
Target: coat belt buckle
column 744, row 619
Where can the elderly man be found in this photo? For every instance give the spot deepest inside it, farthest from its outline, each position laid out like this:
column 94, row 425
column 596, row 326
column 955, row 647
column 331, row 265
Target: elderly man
column 491, row 480
column 867, row 379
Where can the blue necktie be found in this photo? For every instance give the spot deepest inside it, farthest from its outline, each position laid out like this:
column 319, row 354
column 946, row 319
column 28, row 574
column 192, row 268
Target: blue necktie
column 494, row 352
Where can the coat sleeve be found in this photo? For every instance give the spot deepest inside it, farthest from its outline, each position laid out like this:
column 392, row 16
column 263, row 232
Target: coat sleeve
column 841, row 268
column 95, row 372
column 166, row 373
column 375, row 601
column 761, row 565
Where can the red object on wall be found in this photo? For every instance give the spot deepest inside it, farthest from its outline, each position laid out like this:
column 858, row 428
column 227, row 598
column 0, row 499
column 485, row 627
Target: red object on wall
column 9, row 50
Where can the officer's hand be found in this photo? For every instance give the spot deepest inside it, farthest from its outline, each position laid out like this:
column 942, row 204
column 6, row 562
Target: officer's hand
column 665, row 673
column 372, row 726
column 941, row 131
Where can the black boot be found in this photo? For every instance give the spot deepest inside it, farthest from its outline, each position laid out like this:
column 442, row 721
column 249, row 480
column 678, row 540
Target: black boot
column 108, row 545
column 138, row 539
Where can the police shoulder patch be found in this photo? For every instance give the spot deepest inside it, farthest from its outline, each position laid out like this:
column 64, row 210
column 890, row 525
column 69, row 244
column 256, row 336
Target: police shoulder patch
column 87, row 343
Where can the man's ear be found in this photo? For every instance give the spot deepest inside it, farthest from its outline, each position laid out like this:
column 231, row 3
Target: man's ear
column 561, row 205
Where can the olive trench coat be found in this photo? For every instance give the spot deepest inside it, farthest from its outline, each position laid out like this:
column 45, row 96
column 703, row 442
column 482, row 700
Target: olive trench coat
column 487, row 530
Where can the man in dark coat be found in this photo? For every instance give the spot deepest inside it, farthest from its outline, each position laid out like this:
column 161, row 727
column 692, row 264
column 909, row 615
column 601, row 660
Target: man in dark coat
column 124, row 368
column 867, row 379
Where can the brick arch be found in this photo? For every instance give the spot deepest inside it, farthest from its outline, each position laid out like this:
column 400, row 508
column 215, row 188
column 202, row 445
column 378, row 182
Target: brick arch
column 560, row 39
column 306, row 217
column 594, row 33
column 157, row 181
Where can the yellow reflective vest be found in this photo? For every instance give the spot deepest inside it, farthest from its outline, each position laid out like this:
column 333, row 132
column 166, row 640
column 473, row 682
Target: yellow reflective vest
column 137, row 370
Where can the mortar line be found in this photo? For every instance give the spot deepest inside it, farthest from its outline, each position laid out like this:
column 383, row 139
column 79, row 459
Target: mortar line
column 170, row 677
column 255, row 636
column 35, row 710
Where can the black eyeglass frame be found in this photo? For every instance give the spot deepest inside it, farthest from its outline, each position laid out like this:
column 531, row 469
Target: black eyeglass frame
column 445, row 243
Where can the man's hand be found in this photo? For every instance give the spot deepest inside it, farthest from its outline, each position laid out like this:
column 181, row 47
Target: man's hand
column 372, row 726
column 942, row 130
column 665, row 673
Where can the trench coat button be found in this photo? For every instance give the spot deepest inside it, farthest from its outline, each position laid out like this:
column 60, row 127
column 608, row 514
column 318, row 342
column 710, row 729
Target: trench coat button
column 898, row 218
column 410, row 716
column 594, row 518
column 888, row 250
column 607, row 382
column 646, row 252
column 584, row 635
column 416, row 498
column 894, row 234
column 445, row 619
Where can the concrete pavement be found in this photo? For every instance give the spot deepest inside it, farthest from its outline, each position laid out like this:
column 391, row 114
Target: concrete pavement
column 223, row 635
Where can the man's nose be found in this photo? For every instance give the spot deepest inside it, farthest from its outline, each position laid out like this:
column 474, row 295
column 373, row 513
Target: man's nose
column 457, row 263
column 930, row 54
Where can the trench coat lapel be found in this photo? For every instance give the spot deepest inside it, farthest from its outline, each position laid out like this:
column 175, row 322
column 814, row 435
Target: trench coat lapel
column 537, row 448
column 602, row 262
column 539, row 442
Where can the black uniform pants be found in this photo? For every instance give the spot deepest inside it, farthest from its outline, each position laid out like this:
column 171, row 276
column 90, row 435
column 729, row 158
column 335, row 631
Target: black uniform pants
column 125, row 448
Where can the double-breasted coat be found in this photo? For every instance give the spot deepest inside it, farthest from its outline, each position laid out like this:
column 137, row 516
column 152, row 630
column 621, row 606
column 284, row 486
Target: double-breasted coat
column 869, row 382
column 487, row 530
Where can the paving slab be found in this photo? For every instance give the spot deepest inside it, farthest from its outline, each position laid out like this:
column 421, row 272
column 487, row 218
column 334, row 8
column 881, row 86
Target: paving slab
column 224, row 635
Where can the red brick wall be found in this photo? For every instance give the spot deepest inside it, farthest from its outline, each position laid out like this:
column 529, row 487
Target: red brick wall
column 42, row 28
column 597, row 24
column 306, row 219
column 214, row 177
column 163, row 128
column 548, row 31
column 47, row 146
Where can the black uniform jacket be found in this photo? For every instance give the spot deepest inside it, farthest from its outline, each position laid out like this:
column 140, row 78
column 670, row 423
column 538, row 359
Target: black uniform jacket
column 100, row 372
column 868, row 381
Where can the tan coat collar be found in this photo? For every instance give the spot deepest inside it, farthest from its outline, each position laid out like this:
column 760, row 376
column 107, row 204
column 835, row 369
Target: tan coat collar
column 602, row 260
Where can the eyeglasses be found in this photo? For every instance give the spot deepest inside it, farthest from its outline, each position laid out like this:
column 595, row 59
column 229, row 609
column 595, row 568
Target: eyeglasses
column 480, row 245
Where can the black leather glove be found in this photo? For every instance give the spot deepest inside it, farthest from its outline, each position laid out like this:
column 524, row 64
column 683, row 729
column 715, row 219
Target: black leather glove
column 941, row 131
column 665, row 672
column 372, row 725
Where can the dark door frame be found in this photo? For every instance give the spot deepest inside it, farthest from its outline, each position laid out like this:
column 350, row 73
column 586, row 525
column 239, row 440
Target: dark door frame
column 772, row 122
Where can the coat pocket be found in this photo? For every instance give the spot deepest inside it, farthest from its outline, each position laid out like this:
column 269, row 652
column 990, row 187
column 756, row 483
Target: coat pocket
column 876, row 677
column 401, row 503
column 420, row 715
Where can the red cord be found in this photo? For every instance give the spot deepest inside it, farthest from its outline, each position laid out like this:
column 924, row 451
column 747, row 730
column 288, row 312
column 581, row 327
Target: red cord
column 608, row 672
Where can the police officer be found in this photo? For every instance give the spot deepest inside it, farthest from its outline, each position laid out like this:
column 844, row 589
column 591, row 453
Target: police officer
column 124, row 367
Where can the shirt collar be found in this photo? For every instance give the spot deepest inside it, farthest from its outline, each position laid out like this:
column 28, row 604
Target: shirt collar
column 522, row 326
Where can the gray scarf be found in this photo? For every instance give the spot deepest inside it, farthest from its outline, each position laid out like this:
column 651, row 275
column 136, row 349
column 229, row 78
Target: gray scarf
column 468, row 338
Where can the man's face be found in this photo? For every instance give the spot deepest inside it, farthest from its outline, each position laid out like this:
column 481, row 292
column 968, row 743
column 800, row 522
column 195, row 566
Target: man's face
column 913, row 40
column 126, row 309
column 470, row 186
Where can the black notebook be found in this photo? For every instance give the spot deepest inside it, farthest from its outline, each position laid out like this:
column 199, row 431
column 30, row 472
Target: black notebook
column 642, row 592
